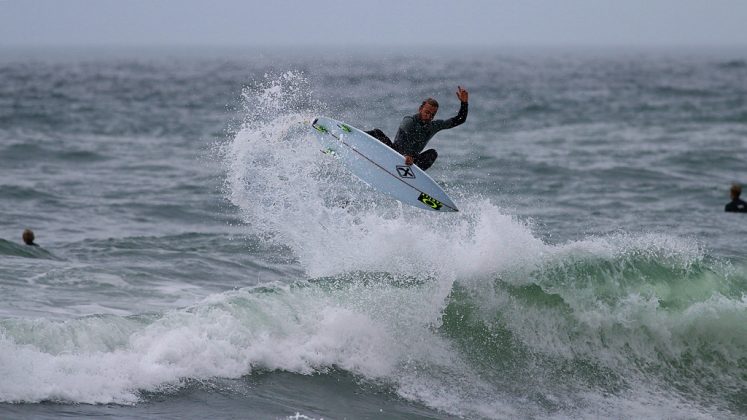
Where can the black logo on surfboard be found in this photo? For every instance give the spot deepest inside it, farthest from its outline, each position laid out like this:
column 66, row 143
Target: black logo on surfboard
column 405, row 172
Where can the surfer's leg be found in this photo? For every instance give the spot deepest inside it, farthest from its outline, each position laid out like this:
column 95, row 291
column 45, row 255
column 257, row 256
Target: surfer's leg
column 426, row 159
column 380, row 136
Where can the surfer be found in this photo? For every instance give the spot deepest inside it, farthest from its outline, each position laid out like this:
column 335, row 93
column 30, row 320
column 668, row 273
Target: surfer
column 28, row 237
column 415, row 131
column 736, row 205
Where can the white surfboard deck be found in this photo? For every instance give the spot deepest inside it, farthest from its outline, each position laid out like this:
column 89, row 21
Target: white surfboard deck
column 380, row 166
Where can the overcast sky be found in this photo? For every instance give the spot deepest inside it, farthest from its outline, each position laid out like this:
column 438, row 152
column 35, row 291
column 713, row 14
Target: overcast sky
column 380, row 23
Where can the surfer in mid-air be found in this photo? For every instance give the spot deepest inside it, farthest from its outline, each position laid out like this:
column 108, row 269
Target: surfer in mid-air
column 415, row 131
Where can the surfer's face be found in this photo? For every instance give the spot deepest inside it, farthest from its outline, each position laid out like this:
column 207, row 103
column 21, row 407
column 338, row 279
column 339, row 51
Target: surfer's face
column 427, row 112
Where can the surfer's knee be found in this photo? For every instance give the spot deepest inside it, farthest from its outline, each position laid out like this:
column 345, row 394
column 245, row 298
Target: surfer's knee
column 426, row 159
column 380, row 136
column 376, row 133
column 430, row 155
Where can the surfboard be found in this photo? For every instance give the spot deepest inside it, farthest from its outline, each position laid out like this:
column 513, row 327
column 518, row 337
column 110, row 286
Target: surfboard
column 380, row 166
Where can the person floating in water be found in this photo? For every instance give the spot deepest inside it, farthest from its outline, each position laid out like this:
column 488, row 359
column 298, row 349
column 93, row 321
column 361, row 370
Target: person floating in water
column 28, row 237
column 736, row 205
column 416, row 131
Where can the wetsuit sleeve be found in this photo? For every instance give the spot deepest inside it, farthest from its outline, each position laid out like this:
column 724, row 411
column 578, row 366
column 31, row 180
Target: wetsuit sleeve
column 460, row 118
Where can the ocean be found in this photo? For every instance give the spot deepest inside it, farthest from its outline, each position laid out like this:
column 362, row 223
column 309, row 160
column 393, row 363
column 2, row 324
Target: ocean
column 200, row 258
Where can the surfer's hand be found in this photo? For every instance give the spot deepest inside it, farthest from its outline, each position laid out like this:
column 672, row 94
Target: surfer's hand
column 408, row 160
column 462, row 94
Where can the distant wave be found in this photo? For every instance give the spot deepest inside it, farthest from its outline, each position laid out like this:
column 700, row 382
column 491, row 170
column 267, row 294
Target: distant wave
column 34, row 152
column 733, row 64
column 22, row 250
column 670, row 90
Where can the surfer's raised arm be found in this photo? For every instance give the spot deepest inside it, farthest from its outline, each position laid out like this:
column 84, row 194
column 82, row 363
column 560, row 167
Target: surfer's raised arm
column 461, row 117
column 462, row 94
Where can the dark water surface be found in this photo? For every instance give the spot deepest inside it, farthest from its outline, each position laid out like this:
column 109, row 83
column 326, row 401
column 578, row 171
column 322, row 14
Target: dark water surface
column 195, row 261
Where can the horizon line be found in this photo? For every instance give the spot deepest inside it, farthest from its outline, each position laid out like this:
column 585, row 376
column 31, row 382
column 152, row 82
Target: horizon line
column 376, row 46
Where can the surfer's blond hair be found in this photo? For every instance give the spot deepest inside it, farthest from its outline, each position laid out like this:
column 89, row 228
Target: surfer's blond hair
column 431, row 102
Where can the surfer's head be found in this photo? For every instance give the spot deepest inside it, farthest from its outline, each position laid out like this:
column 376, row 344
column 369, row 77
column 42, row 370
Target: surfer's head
column 28, row 237
column 735, row 191
column 428, row 110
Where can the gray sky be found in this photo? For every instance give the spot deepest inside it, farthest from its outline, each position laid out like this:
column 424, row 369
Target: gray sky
column 380, row 23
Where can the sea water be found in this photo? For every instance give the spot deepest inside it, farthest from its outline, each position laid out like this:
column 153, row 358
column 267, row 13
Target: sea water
column 199, row 257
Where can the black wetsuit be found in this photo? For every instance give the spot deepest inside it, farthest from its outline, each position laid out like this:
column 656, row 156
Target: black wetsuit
column 414, row 134
column 736, row 206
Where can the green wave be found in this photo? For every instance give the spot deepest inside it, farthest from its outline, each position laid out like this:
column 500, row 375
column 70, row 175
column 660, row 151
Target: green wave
column 610, row 323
